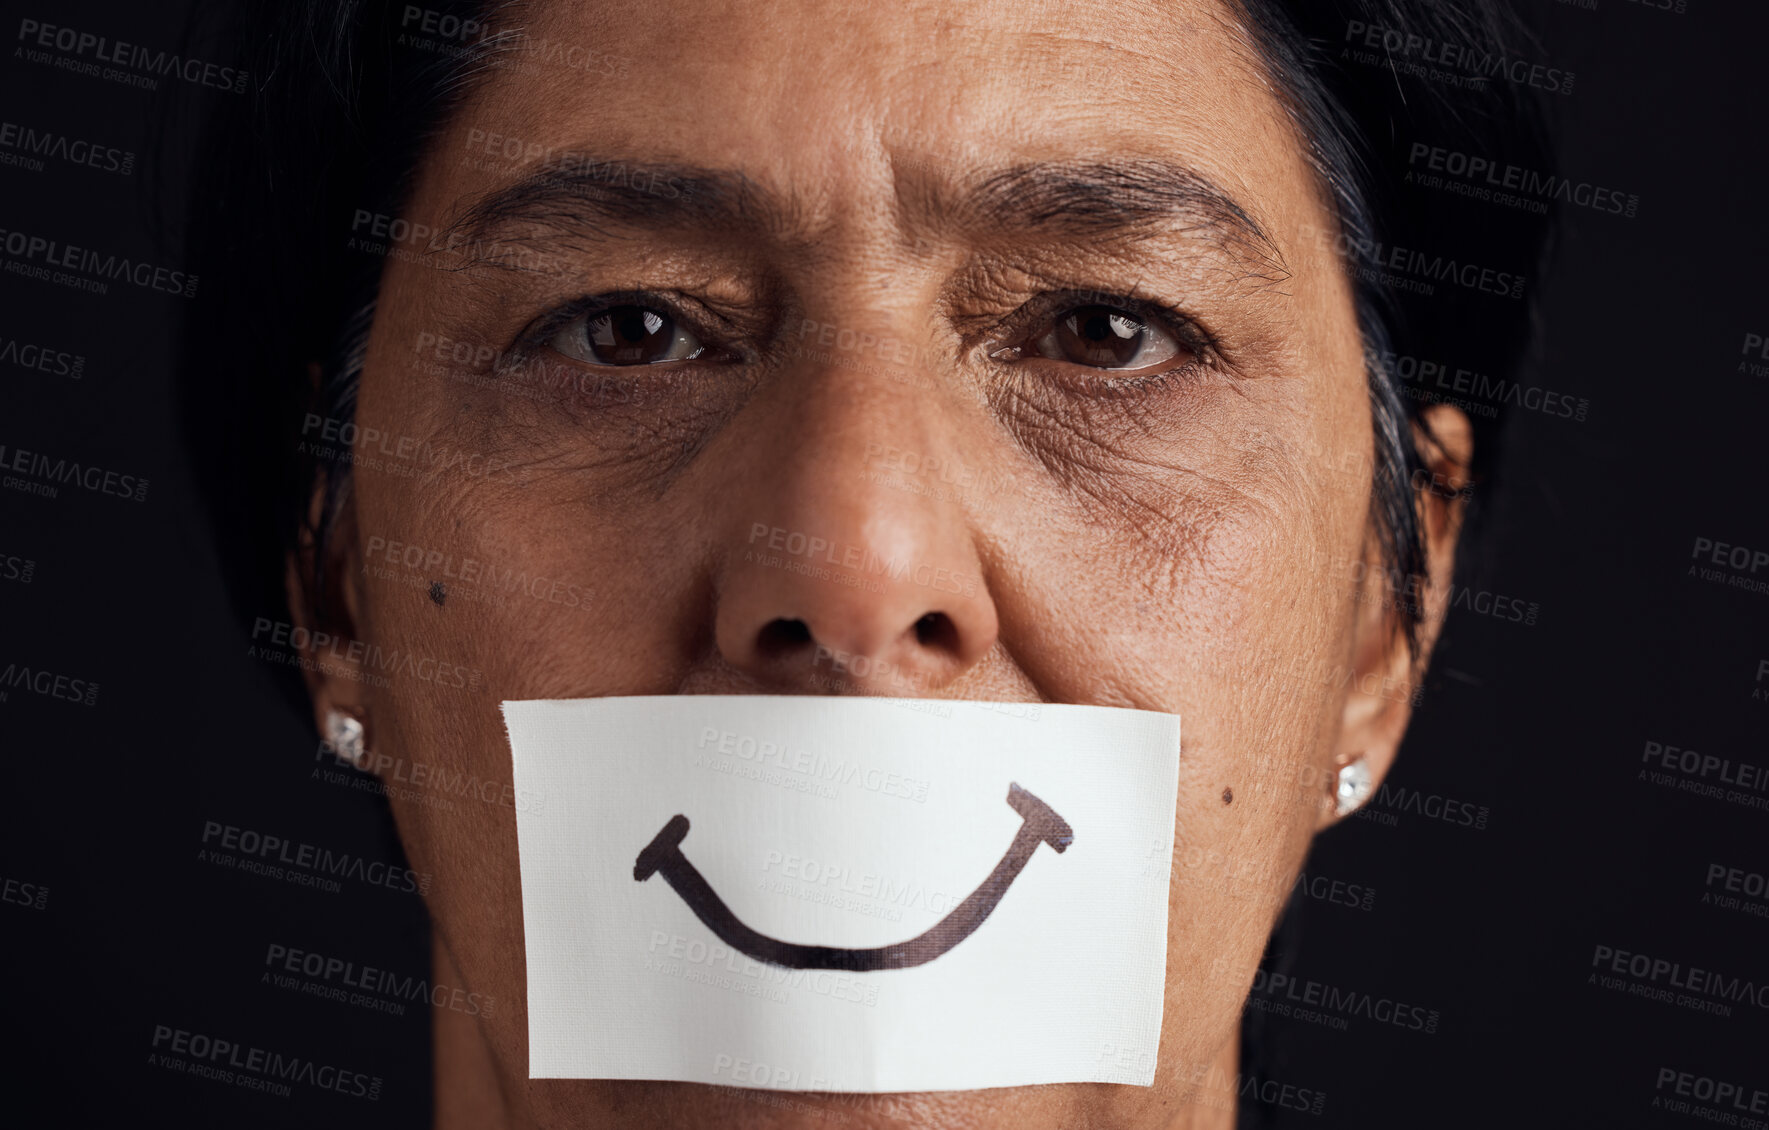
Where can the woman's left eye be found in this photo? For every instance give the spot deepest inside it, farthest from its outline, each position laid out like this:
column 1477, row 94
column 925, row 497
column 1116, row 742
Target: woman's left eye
column 629, row 334
column 1104, row 337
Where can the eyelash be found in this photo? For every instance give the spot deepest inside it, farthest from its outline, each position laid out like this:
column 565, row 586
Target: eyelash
column 543, row 329
column 1014, row 329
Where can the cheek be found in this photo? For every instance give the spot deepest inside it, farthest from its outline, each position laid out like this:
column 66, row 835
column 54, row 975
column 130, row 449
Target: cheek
column 1176, row 551
column 541, row 591
column 535, row 504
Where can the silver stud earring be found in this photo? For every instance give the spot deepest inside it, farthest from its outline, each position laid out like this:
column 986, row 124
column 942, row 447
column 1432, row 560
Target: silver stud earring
column 344, row 734
column 1352, row 786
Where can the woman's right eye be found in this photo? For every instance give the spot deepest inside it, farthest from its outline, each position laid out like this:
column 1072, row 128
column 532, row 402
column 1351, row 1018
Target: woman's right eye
column 629, row 334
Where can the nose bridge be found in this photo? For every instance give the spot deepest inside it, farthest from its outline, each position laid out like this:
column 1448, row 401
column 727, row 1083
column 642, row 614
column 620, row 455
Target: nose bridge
column 848, row 572
column 845, row 419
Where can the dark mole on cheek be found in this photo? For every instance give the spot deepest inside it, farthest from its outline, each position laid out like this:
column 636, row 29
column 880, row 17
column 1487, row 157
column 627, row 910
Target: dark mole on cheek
column 438, row 592
column 1228, row 796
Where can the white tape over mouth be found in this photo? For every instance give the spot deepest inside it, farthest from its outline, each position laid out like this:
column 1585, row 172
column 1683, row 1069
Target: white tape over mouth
column 813, row 893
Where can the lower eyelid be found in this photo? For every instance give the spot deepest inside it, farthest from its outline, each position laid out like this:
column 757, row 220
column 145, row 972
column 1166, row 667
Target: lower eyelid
column 1109, row 382
column 1104, row 385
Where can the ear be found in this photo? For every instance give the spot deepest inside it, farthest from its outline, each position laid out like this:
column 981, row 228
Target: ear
column 326, row 618
column 1386, row 675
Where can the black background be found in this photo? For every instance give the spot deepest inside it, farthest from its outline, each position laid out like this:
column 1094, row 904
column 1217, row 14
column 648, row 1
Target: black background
column 1543, row 725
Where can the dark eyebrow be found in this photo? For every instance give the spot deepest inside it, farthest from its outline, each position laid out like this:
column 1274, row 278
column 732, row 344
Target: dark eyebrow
column 1115, row 198
column 588, row 193
column 1101, row 200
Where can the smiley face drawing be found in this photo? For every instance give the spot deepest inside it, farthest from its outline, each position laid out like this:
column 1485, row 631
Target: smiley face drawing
column 663, row 855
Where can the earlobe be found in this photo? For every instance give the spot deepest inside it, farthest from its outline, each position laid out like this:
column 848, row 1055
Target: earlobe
column 1386, row 672
column 1379, row 697
column 323, row 600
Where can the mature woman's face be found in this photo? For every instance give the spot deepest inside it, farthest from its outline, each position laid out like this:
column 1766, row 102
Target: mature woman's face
column 1029, row 299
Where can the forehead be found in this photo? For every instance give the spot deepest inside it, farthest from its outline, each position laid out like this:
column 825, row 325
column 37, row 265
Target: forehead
column 817, row 97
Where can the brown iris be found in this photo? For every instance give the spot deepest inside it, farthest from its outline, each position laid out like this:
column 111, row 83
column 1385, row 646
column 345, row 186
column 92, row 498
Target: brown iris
column 1106, row 337
column 629, row 334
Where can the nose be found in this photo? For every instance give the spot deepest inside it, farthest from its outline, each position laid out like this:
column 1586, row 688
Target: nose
column 854, row 568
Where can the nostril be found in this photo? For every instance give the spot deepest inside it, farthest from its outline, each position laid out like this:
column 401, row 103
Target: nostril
column 936, row 632
column 782, row 637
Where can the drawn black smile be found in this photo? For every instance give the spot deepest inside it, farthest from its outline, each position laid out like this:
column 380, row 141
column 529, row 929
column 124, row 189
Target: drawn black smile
column 664, row 854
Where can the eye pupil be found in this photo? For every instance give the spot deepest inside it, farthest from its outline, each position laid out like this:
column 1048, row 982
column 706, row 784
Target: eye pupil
column 1100, row 336
column 631, row 335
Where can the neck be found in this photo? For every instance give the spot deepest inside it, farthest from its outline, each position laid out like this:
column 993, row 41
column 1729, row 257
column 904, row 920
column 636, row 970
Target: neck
column 466, row 1088
column 1215, row 1098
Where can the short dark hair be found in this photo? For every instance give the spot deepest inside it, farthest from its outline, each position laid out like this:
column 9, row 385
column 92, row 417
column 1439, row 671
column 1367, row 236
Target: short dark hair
column 341, row 110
